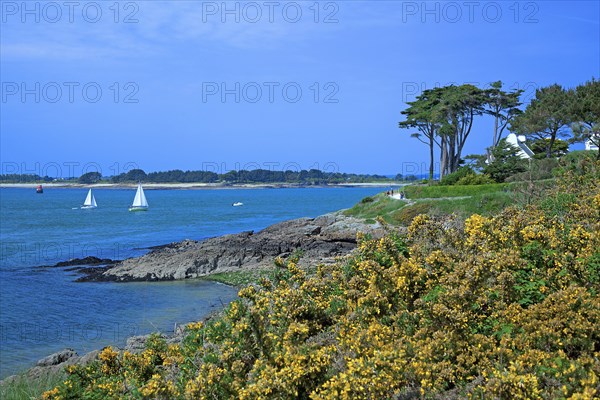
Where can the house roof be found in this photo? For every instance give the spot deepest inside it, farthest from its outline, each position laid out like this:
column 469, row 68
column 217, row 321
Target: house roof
column 519, row 142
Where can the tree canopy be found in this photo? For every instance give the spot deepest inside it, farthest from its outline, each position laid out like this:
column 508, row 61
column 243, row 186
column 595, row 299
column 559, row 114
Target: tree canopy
column 443, row 118
column 419, row 115
column 547, row 116
column 506, row 162
column 312, row 176
column 585, row 113
column 90, row 177
column 502, row 106
column 539, row 146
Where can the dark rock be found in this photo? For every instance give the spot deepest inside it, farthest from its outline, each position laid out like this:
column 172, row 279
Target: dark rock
column 92, row 274
column 172, row 245
column 318, row 239
column 90, row 260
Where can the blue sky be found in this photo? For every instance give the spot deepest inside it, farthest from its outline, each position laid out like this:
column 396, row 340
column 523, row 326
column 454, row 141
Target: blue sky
column 212, row 85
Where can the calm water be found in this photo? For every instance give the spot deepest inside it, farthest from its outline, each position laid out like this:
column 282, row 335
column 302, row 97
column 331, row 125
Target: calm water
column 43, row 310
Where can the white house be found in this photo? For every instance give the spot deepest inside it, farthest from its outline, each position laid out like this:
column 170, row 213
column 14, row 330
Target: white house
column 519, row 142
column 590, row 146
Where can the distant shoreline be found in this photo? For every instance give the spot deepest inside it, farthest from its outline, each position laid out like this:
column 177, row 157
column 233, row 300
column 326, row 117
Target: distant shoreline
column 192, row 186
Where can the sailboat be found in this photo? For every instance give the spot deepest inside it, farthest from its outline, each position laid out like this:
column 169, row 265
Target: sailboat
column 90, row 201
column 139, row 202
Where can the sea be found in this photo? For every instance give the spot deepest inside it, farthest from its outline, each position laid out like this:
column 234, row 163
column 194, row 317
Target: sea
column 43, row 310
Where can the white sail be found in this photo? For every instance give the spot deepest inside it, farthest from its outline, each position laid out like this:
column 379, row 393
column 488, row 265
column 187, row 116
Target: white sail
column 90, row 200
column 140, row 198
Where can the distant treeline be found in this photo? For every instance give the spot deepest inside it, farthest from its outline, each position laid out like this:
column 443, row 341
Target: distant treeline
column 305, row 177
column 24, row 178
column 312, row 176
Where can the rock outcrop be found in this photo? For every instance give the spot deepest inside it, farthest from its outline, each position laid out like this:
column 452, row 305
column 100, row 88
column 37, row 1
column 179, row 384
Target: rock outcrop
column 52, row 365
column 90, row 260
column 56, row 358
column 318, row 240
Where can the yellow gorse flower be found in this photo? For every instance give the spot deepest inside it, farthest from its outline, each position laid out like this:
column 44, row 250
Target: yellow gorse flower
column 498, row 307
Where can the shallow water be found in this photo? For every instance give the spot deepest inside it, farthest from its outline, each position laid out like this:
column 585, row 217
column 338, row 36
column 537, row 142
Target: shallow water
column 42, row 310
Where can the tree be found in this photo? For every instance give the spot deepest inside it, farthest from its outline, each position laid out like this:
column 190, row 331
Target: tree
column 502, row 106
column 506, row 162
column 458, row 107
column 585, row 113
column 444, row 117
column 421, row 115
column 539, row 146
column 476, row 161
column 546, row 117
column 90, row 177
column 135, row 175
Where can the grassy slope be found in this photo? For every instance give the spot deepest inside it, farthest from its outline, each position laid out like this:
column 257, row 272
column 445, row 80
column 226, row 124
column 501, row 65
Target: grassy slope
column 24, row 388
column 437, row 191
column 461, row 200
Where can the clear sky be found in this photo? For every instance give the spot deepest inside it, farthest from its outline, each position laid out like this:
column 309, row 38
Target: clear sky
column 227, row 85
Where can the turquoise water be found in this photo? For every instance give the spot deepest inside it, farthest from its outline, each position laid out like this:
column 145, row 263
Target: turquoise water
column 43, row 310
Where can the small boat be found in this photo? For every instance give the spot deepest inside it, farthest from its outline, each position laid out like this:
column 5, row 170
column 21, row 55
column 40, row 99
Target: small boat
column 90, row 201
column 237, row 204
column 39, row 189
column 139, row 201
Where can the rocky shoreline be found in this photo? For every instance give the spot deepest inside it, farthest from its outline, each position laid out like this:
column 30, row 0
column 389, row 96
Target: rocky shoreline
column 316, row 240
column 56, row 362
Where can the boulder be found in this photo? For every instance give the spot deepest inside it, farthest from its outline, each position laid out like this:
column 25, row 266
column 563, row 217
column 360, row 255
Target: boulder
column 57, row 358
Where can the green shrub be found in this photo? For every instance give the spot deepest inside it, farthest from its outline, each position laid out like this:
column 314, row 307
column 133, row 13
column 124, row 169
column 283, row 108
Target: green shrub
column 507, row 162
column 575, row 161
column 538, row 170
column 453, row 178
column 475, row 179
column 404, row 216
column 465, row 176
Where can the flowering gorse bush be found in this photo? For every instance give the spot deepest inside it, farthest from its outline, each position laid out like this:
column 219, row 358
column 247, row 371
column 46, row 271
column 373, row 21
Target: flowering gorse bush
column 505, row 307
